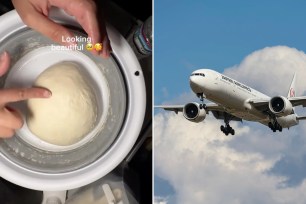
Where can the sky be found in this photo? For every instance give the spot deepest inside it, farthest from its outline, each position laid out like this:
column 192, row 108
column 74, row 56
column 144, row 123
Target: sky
column 218, row 34
column 259, row 43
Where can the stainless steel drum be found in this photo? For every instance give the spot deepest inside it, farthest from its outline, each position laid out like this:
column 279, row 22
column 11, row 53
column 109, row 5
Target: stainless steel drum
column 120, row 91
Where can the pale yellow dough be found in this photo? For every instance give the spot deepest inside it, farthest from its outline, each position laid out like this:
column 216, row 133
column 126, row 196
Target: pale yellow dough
column 70, row 113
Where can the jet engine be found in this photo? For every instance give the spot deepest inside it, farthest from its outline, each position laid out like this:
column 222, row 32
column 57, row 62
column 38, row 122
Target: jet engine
column 287, row 121
column 280, row 106
column 194, row 113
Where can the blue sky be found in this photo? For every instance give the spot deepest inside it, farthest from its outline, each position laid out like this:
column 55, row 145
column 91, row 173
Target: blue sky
column 220, row 35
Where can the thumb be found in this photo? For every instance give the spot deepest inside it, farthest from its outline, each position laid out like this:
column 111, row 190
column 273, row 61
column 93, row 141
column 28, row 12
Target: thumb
column 4, row 63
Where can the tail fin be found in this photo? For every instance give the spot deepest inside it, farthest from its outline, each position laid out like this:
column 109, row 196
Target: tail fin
column 291, row 92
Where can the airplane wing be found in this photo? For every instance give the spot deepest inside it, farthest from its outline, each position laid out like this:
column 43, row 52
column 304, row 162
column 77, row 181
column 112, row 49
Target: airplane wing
column 179, row 108
column 297, row 101
column 263, row 104
column 175, row 108
column 217, row 110
column 260, row 104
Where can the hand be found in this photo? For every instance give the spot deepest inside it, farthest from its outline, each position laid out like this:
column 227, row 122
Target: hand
column 34, row 13
column 10, row 119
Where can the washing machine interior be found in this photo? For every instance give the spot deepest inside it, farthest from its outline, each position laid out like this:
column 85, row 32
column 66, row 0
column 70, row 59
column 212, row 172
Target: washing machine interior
column 26, row 159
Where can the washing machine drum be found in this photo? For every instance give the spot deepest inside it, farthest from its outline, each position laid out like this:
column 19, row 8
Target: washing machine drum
column 120, row 92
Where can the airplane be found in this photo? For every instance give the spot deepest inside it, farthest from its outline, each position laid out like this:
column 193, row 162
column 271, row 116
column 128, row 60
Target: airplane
column 234, row 101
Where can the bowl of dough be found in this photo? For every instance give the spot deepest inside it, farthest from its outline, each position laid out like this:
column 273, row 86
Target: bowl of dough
column 91, row 121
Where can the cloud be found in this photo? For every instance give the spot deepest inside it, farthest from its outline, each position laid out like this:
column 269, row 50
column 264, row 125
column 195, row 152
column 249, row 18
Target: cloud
column 198, row 163
column 182, row 99
column 254, row 166
column 160, row 200
column 271, row 69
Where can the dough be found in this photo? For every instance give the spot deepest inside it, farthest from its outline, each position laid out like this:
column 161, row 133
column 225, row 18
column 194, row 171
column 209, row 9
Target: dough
column 70, row 113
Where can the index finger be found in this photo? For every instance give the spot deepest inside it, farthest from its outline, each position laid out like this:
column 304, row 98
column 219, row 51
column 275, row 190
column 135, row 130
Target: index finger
column 20, row 94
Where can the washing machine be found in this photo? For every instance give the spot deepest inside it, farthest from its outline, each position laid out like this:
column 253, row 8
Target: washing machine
column 96, row 169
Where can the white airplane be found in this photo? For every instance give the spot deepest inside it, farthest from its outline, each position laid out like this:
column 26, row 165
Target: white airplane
column 234, row 101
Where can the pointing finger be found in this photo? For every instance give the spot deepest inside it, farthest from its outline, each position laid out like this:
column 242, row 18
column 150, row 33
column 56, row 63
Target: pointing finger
column 20, row 94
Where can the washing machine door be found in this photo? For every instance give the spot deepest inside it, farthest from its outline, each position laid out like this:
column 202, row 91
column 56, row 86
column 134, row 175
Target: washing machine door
column 120, row 91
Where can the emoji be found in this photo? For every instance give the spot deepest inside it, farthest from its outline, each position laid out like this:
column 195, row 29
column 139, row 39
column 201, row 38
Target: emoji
column 98, row 46
column 89, row 46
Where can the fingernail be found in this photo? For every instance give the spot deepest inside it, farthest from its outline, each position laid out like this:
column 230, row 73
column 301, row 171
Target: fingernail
column 105, row 54
column 47, row 94
column 2, row 56
column 108, row 53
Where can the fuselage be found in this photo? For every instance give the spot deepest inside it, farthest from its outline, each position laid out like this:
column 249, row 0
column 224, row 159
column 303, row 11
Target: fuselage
column 229, row 93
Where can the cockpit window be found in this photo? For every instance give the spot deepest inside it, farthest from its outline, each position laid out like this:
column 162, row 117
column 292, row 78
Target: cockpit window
column 198, row 74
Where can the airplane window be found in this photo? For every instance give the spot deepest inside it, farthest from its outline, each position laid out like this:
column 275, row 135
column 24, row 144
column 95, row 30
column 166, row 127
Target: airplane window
column 198, row 74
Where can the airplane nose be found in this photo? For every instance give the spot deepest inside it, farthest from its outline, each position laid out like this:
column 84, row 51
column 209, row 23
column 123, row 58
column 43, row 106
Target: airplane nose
column 194, row 82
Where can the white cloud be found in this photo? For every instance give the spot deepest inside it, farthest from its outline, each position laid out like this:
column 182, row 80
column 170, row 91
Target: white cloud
column 271, row 69
column 160, row 200
column 204, row 166
column 198, row 163
column 182, row 99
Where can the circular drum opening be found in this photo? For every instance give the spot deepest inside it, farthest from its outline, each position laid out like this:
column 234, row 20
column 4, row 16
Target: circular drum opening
column 33, row 153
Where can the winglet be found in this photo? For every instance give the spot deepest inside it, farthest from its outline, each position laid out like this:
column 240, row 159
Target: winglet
column 292, row 91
